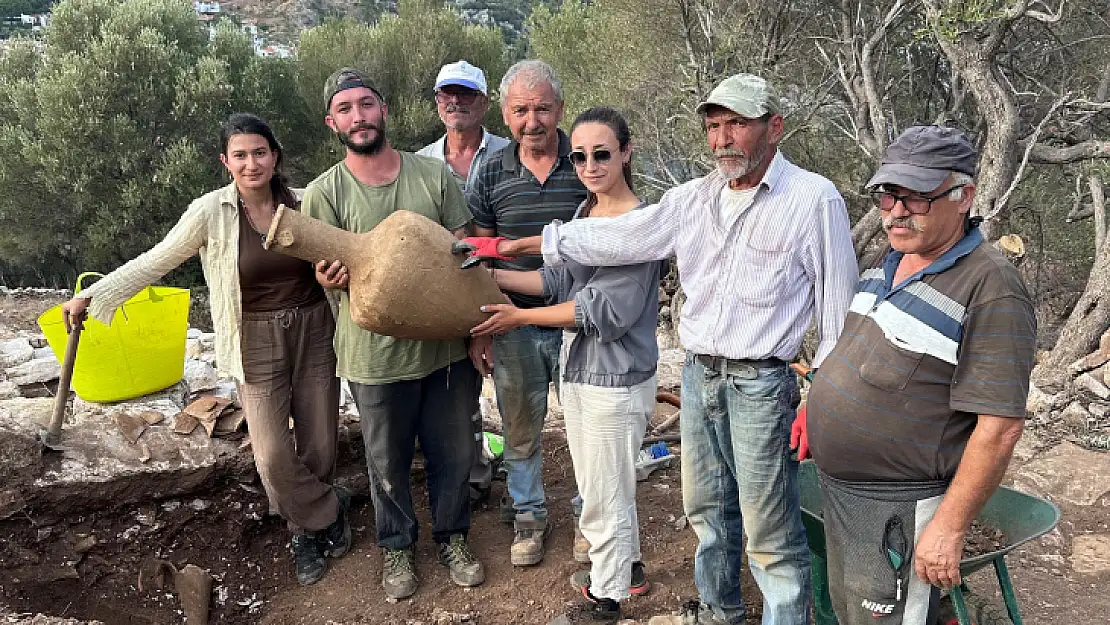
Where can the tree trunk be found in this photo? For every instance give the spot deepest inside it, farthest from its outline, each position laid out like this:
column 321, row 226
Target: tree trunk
column 1098, row 203
column 1088, row 320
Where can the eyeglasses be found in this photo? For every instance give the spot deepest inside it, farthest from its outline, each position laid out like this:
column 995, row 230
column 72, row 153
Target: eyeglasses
column 915, row 204
column 601, row 157
column 464, row 96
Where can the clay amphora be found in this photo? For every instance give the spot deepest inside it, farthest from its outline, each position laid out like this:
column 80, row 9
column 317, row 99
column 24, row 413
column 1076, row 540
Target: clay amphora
column 404, row 280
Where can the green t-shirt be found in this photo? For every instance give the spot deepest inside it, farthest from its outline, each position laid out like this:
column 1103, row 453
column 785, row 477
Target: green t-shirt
column 422, row 186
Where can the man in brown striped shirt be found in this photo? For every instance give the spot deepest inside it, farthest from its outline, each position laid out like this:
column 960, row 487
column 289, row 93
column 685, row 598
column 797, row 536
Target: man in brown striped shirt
column 915, row 413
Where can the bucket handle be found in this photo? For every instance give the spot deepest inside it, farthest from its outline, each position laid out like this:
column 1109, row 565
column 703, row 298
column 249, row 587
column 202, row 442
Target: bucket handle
column 150, row 292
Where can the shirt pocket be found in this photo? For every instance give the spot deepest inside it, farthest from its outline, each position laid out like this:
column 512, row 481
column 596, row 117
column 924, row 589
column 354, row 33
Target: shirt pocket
column 889, row 367
column 766, row 276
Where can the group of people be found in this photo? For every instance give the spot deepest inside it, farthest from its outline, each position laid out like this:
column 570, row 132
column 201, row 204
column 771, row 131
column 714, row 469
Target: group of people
column 918, row 382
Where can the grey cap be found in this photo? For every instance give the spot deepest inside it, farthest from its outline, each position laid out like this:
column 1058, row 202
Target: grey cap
column 348, row 78
column 922, row 157
column 743, row 94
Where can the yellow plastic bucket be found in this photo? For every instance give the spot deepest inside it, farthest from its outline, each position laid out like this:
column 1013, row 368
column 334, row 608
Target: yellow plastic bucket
column 141, row 352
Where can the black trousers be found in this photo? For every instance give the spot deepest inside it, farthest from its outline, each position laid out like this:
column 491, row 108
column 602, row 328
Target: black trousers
column 436, row 410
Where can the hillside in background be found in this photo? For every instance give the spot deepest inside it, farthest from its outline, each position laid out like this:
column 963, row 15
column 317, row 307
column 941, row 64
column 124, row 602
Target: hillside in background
column 282, row 20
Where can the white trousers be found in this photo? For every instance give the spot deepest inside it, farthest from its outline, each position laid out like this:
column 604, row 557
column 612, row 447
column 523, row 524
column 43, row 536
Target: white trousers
column 605, row 428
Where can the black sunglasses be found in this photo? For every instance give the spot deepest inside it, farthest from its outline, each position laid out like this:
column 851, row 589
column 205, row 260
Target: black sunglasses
column 601, row 157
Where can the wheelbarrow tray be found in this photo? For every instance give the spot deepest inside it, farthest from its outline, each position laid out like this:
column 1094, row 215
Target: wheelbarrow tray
column 1019, row 516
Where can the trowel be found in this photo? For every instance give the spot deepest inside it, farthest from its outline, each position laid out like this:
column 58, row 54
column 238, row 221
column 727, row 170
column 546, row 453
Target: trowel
column 52, row 436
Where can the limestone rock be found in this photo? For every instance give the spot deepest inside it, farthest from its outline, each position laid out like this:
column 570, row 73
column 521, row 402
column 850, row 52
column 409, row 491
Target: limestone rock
column 1088, row 362
column 193, row 349
column 1090, row 554
column 1068, row 473
column 1088, row 382
column 35, row 371
column 1098, row 409
column 200, row 376
column 1039, row 402
column 15, row 352
column 1075, row 417
column 8, row 390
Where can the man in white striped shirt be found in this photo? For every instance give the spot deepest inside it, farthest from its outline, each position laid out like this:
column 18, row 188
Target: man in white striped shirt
column 763, row 249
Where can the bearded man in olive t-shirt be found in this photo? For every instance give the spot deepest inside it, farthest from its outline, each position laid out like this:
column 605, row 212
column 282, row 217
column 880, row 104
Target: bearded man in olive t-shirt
column 404, row 389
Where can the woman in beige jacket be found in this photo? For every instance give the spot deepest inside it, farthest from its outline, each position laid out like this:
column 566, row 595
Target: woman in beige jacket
column 274, row 331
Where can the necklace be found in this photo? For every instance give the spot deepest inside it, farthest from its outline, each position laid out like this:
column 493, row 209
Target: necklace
column 257, row 230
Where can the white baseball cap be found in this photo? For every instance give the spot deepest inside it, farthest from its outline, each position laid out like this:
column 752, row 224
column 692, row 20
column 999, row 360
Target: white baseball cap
column 463, row 74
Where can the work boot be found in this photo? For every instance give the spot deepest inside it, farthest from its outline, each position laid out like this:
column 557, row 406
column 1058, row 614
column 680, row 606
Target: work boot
column 528, row 540
column 308, row 559
column 695, row 612
column 399, row 573
column 505, row 511
column 465, row 568
column 581, row 545
column 590, row 610
column 638, row 586
column 336, row 538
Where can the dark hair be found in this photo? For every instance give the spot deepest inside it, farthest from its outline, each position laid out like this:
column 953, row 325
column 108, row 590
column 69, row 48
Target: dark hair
column 612, row 118
column 248, row 124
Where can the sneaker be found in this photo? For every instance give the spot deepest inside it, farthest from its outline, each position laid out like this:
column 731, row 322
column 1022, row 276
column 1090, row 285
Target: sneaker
column 695, row 612
column 506, row 512
column 528, row 540
column 590, row 610
column 336, row 538
column 308, row 559
column 465, row 568
column 399, row 573
column 581, row 545
column 638, row 586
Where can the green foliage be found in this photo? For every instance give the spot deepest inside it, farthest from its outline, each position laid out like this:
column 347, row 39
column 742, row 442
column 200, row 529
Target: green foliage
column 403, row 53
column 23, row 7
column 110, row 131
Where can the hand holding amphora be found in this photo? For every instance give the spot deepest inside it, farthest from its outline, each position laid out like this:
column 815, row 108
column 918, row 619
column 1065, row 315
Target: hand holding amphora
column 404, row 280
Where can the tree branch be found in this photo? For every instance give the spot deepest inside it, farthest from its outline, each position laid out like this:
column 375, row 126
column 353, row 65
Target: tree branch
column 1041, row 154
column 1001, row 204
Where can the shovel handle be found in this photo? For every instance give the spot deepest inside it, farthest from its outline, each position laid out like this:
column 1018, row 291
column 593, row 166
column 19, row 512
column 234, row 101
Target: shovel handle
column 62, row 397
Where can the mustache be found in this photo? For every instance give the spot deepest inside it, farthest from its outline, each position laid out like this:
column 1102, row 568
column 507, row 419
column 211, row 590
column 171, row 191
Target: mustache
column 902, row 222
column 365, row 126
column 724, row 152
column 534, row 131
column 456, row 108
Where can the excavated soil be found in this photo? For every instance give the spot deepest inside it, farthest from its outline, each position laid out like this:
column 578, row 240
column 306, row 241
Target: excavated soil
column 89, row 567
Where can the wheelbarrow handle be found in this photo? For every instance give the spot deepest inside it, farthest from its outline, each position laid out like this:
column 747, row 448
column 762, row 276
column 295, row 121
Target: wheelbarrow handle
column 62, row 397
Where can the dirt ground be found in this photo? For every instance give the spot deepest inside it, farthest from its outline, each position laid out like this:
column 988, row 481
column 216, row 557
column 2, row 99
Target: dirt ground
column 52, row 566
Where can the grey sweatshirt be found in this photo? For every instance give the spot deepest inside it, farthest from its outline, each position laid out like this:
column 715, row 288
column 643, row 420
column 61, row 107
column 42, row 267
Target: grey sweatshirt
column 616, row 311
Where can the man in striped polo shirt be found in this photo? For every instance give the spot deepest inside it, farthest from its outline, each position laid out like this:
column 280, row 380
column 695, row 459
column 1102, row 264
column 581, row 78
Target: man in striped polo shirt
column 530, row 183
column 913, row 417
column 764, row 251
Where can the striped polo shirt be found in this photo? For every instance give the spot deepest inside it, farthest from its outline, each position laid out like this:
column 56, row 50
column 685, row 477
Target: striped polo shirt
column 507, row 198
column 917, row 362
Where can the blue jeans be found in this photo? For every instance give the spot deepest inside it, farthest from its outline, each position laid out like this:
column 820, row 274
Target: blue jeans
column 525, row 363
column 737, row 477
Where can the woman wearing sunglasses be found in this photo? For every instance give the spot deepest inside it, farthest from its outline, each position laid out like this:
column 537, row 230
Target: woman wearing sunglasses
column 608, row 363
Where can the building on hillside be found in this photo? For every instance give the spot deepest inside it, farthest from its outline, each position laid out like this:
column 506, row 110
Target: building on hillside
column 206, row 8
column 35, row 20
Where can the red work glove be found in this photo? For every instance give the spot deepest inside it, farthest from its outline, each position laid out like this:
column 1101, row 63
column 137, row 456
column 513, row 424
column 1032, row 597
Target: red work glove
column 485, row 248
column 799, row 437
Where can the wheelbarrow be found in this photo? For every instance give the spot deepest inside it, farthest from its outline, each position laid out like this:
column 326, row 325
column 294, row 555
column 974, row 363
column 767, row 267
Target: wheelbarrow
column 1020, row 518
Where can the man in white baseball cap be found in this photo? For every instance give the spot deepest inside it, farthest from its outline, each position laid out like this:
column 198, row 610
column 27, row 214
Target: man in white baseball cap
column 462, row 101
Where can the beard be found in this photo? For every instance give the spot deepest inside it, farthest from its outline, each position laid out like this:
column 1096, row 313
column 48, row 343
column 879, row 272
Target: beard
column 902, row 222
column 369, row 148
column 743, row 165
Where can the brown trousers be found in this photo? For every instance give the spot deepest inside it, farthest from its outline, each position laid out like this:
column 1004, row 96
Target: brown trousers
column 289, row 366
